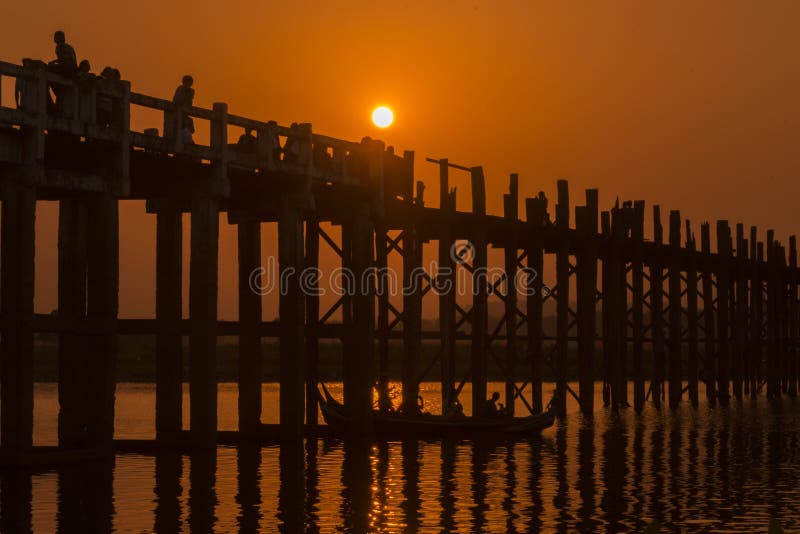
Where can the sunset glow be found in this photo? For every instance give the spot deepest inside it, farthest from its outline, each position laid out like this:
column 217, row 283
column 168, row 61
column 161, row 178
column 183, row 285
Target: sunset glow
column 383, row 117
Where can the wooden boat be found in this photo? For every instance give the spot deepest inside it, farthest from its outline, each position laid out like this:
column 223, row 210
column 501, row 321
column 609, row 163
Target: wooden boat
column 427, row 425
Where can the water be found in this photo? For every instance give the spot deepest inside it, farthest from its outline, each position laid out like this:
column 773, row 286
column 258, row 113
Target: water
column 710, row 469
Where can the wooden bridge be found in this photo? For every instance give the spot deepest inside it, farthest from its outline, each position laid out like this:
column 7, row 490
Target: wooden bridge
column 667, row 304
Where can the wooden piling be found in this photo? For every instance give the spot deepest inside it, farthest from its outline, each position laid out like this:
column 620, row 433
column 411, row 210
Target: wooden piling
column 480, row 316
column 753, row 354
column 16, row 303
column 249, row 250
column 773, row 385
column 709, row 347
column 102, row 307
column 511, row 213
column 412, row 313
column 675, row 311
column 562, row 297
column 169, row 304
column 637, row 305
column 292, row 318
column 382, row 264
column 740, row 317
column 72, row 347
column 793, row 323
column 723, row 311
column 203, row 319
column 447, row 304
column 586, row 225
column 535, row 212
column 692, row 317
column 607, row 281
column 657, row 312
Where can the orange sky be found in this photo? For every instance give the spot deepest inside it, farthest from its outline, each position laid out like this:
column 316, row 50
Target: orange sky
column 693, row 105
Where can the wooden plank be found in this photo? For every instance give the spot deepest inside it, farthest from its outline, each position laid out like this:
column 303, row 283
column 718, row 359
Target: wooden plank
column 249, row 252
column 169, row 339
column 675, row 311
column 72, row 346
column 203, row 318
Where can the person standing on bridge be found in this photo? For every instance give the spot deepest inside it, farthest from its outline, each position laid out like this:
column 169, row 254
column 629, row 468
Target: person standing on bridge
column 183, row 98
column 65, row 64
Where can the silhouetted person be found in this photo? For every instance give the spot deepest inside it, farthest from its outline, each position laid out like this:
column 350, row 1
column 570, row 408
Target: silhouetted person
column 184, row 94
column 247, row 143
column 490, row 409
column 187, row 132
column 65, row 64
column 291, row 148
column 456, row 408
column 182, row 99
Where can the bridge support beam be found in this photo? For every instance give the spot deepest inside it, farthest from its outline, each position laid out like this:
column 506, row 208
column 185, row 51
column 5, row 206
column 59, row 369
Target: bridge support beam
column 72, row 347
column 169, row 341
column 249, row 245
column 16, row 303
column 203, row 318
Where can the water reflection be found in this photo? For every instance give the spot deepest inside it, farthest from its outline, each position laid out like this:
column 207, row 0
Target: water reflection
column 729, row 469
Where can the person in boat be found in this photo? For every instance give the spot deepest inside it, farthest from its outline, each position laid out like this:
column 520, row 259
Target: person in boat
column 491, row 409
column 456, row 408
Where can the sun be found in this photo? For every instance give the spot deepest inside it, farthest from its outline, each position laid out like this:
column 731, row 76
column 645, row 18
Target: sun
column 382, row 117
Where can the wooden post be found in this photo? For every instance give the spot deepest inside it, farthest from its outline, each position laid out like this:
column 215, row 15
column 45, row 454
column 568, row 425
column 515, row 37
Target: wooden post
column 382, row 263
column 753, row 353
column 620, row 314
column 675, row 310
column 723, row 311
column 709, row 348
column 102, row 307
column 586, row 224
column 657, row 311
column 72, row 347
column 792, row 318
column 535, row 212
column 169, row 341
column 292, row 318
column 511, row 211
column 447, row 303
column 412, row 312
column 740, row 318
column 637, row 303
column 781, row 317
column 203, row 319
column 759, row 314
column 358, row 400
column 773, row 390
column 16, row 302
column 311, row 286
column 249, row 245
column 562, row 297
column 479, row 293
column 691, row 315
column 609, row 350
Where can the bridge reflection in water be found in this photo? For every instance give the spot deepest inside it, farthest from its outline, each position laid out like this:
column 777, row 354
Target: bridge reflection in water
column 688, row 468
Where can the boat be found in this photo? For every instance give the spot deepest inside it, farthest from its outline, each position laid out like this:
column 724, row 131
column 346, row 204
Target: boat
column 429, row 425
